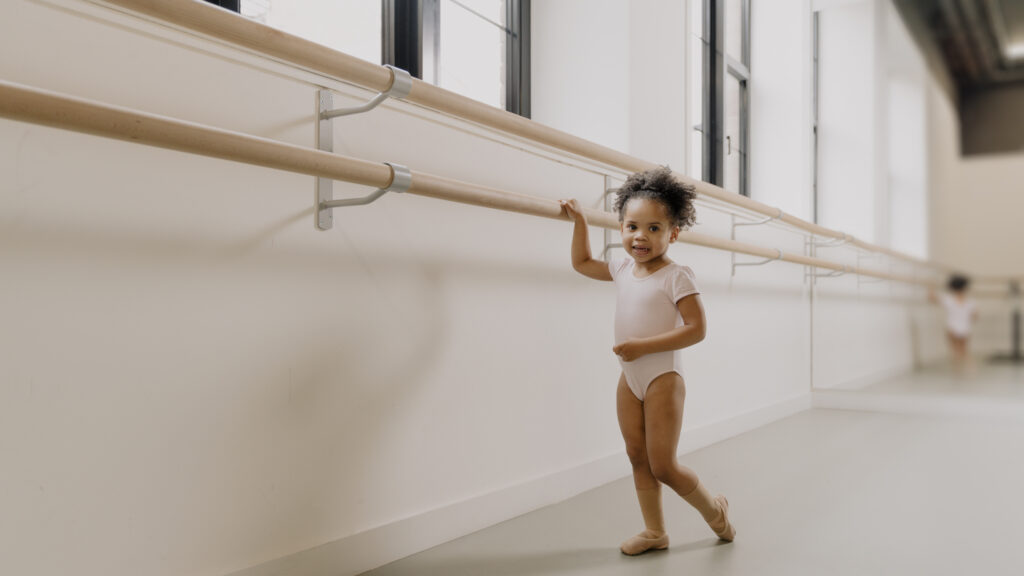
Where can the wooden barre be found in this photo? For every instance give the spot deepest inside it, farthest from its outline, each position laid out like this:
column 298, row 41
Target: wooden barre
column 66, row 112
column 228, row 26
column 47, row 108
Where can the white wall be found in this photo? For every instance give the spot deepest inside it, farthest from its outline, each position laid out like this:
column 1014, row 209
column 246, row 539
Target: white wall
column 195, row 381
column 978, row 217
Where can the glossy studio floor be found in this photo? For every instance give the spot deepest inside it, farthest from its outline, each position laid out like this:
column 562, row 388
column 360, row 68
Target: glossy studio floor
column 919, row 475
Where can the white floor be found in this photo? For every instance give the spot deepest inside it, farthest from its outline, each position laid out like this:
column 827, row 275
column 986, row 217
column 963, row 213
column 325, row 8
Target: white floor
column 925, row 488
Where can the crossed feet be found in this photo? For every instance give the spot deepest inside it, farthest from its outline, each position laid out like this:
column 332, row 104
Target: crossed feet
column 655, row 540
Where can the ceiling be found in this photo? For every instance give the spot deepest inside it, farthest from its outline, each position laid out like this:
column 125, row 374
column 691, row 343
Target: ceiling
column 982, row 41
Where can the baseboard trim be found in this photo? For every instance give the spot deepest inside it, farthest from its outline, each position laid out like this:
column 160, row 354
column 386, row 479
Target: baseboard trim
column 379, row 546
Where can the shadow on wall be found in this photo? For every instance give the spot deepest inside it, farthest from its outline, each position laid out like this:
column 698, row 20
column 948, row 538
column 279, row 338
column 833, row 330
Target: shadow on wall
column 290, row 359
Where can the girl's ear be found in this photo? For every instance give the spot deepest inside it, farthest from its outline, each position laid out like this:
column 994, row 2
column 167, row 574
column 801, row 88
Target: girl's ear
column 675, row 234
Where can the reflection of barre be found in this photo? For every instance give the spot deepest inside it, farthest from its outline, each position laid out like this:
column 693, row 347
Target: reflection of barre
column 52, row 109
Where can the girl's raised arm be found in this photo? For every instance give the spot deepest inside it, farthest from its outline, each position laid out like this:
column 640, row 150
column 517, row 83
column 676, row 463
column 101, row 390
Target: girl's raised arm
column 582, row 261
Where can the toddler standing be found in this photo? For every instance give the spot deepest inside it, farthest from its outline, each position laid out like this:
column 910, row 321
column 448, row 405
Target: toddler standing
column 658, row 312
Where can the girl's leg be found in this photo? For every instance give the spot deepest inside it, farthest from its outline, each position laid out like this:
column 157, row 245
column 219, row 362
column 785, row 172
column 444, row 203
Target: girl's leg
column 648, row 490
column 663, row 419
column 958, row 348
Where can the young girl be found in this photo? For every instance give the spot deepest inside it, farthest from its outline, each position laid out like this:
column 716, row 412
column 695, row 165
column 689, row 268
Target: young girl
column 961, row 311
column 658, row 311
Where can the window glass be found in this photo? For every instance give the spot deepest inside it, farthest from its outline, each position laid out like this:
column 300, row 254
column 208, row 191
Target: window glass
column 696, row 87
column 471, row 59
column 734, row 29
column 346, row 26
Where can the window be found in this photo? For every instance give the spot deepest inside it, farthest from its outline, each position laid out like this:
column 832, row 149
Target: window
column 725, row 121
column 226, row 4
column 349, row 27
column 477, row 48
column 697, row 90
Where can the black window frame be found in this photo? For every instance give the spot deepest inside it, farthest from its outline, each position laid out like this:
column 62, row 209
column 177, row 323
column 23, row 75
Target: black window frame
column 410, row 36
column 716, row 64
column 233, row 5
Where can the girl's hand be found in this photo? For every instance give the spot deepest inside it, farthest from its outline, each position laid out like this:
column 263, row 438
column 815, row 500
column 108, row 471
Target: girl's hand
column 629, row 350
column 572, row 210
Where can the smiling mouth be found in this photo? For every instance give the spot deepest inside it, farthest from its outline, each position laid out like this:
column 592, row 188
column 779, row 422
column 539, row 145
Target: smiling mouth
column 641, row 250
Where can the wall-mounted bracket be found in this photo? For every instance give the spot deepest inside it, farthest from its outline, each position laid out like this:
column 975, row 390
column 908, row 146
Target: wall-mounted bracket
column 814, row 275
column 754, row 223
column 833, row 243
column 732, row 235
column 760, row 263
column 401, row 180
column 401, row 85
column 608, row 247
column 607, row 204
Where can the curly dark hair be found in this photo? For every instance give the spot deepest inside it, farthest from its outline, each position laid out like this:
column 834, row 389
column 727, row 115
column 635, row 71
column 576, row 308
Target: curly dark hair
column 658, row 184
column 959, row 282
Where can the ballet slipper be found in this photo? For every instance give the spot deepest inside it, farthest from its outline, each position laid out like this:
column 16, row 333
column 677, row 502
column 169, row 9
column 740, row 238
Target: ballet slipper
column 639, row 544
column 714, row 510
column 650, row 507
column 722, row 527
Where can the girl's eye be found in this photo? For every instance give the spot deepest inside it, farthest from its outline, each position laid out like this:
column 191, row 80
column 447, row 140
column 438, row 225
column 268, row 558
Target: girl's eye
column 654, row 228
column 630, row 227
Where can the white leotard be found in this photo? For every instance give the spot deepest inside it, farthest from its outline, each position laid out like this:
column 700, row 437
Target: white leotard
column 647, row 307
column 959, row 314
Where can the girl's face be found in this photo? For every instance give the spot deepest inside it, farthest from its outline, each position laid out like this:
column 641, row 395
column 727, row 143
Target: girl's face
column 646, row 231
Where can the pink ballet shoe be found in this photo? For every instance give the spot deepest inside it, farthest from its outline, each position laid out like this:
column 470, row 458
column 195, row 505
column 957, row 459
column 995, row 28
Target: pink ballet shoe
column 638, row 544
column 726, row 532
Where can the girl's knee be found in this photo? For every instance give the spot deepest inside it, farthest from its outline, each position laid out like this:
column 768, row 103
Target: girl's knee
column 663, row 469
column 637, row 454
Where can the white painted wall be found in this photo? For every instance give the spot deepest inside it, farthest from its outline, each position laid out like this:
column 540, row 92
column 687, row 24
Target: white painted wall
column 195, row 381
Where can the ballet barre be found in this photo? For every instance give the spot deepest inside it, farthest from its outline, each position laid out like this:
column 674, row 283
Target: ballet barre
column 226, row 26
column 26, row 104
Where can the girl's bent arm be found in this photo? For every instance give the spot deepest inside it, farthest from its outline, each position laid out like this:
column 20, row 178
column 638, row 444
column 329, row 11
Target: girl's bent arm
column 692, row 310
column 582, row 261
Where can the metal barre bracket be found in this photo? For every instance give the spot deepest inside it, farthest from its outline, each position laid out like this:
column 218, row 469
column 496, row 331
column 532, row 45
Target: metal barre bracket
column 814, row 275
column 401, row 85
column 755, row 223
column 401, row 180
column 844, row 239
column 732, row 236
column 761, row 263
column 606, row 203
